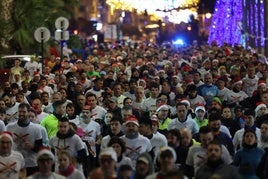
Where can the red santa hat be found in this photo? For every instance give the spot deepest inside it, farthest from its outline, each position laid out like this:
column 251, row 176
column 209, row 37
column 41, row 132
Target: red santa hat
column 161, row 71
column 261, row 82
column 162, row 107
column 149, row 63
column 237, row 80
column 7, row 134
column 202, row 108
column 189, row 82
column 79, row 61
column 193, row 58
column 259, row 106
column 154, row 118
column 175, row 76
column 132, row 119
column 186, row 68
column 185, row 101
column 36, row 73
column 141, row 80
column 215, row 60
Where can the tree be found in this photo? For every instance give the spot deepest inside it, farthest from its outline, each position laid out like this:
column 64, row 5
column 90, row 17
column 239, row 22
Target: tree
column 5, row 17
column 22, row 18
column 224, row 27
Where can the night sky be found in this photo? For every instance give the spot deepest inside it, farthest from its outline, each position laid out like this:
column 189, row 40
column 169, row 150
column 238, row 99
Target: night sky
column 206, row 6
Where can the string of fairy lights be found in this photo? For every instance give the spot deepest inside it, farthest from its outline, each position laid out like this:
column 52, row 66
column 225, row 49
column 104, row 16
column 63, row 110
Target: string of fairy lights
column 175, row 11
column 229, row 23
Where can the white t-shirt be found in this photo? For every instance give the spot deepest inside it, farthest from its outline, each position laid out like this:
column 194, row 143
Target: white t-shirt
column 2, row 126
column 97, row 93
column 30, row 133
column 189, row 123
column 92, row 130
column 76, row 120
column 137, row 105
column 52, row 176
column 197, row 156
column 236, row 97
column 77, row 174
column 41, row 116
column 16, row 160
column 157, row 142
column 45, row 139
column 32, row 66
column 197, row 101
column 250, row 85
column 71, row 144
column 99, row 112
column 148, row 102
column 238, row 137
column 223, row 93
column 104, row 141
column 12, row 112
column 134, row 147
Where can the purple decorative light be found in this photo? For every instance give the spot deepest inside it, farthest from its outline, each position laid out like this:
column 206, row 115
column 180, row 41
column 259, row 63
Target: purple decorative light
column 258, row 35
column 224, row 27
column 227, row 14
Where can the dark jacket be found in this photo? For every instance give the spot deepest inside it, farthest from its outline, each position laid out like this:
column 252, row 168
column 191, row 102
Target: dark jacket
column 221, row 170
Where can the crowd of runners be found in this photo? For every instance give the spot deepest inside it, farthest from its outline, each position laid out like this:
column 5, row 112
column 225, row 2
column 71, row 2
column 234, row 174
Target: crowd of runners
column 137, row 111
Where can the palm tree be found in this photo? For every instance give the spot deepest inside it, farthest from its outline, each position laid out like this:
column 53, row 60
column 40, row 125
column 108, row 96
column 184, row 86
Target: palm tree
column 6, row 7
column 24, row 17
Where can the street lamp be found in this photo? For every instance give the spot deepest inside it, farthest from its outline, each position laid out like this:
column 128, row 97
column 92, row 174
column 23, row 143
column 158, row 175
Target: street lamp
column 208, row 15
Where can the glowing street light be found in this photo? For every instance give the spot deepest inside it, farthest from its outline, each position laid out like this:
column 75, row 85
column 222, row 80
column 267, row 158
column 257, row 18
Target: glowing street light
column 208, row 15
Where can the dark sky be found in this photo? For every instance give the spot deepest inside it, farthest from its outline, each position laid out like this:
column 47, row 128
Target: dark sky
column 206, row 6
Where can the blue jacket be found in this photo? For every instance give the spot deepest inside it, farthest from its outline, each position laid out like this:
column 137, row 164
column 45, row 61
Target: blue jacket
column 208, row 92
column 247, row 160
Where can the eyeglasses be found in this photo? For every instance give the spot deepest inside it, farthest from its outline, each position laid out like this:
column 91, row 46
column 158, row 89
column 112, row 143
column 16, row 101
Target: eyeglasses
column 104, row 160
